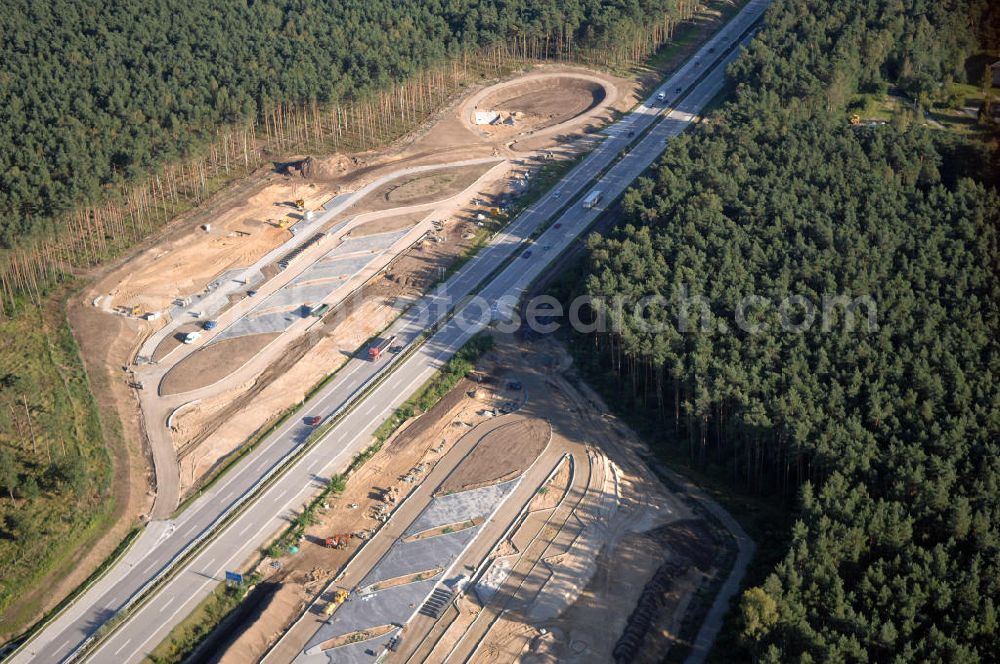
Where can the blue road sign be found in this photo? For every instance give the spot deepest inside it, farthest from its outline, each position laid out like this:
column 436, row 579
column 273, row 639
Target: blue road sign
column 234, row 577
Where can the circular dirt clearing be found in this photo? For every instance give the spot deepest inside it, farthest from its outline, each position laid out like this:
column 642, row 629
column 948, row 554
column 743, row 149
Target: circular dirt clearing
column 540, row 102
column 502, row 453
column 213, row 363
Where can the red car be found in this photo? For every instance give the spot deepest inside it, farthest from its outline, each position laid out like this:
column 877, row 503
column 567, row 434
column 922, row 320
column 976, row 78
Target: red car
column 314, row 420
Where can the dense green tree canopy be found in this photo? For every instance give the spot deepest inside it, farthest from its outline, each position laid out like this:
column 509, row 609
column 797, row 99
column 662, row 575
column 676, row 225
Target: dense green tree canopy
column 889, row 432
column 94, row 93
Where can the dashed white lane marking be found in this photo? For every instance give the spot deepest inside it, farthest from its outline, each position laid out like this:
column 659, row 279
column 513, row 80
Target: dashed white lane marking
column 127, row 641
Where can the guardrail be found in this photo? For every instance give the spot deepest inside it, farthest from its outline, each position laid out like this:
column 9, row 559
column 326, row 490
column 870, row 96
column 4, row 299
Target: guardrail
column 284, row 463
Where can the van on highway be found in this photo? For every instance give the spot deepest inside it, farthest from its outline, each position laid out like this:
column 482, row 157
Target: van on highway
column 661, row 97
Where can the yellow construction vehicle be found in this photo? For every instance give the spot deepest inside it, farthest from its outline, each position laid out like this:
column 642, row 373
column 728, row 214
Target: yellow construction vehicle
column 855, row 119
column 284, row 223
column 338, row 598
column 136, row 310
column 300, row 204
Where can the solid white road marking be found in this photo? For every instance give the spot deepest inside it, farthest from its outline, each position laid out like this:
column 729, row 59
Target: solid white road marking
column 354, row 439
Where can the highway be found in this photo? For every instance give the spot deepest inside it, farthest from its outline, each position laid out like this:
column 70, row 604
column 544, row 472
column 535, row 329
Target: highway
column 156, row 407
column 162, row 542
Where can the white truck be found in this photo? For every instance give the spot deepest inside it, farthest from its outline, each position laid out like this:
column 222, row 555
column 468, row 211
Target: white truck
column 592, row 199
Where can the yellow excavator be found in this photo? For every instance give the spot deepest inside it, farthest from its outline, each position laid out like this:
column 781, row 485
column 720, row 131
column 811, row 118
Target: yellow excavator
column 855, row 119
column 300, row 204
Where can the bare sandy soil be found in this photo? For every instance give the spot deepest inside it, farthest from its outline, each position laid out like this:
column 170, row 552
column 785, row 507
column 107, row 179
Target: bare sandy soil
column 422, row 188
column 237, row 236
column 580, row 558
column 243, row 224
column 539, row 104
column 309, row 360
column 543, row 122
column 251, row 406
column 588, row 630
column 172, row 341
column 387, row 224
column 421, row 443
column 551, row 494
column 591, row 563
column 212, row 363
column 501, row 454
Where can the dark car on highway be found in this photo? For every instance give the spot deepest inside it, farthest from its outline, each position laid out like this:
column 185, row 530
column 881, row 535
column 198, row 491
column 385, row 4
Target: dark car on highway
column 313, row 420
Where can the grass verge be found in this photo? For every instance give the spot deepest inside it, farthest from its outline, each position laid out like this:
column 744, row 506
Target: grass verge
column 193, row 629
column 440, row 384
column 56, row 474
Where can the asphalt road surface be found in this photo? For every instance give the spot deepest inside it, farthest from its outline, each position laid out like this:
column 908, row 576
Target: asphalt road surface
column 164, row 541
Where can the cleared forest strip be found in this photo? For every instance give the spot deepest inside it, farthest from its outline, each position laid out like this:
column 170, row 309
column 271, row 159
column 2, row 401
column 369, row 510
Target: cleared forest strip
column 93, row 234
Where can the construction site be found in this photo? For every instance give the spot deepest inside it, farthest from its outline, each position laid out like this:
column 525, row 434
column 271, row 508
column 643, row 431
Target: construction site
column 513, row 521
column 225, row 321
column 516, row 519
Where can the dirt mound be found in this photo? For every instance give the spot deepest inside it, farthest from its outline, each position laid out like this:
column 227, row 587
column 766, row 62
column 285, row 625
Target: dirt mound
column 329, row 168
column 325, row 168
column 503, row 453
column 212, row 363
column 300, row 167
